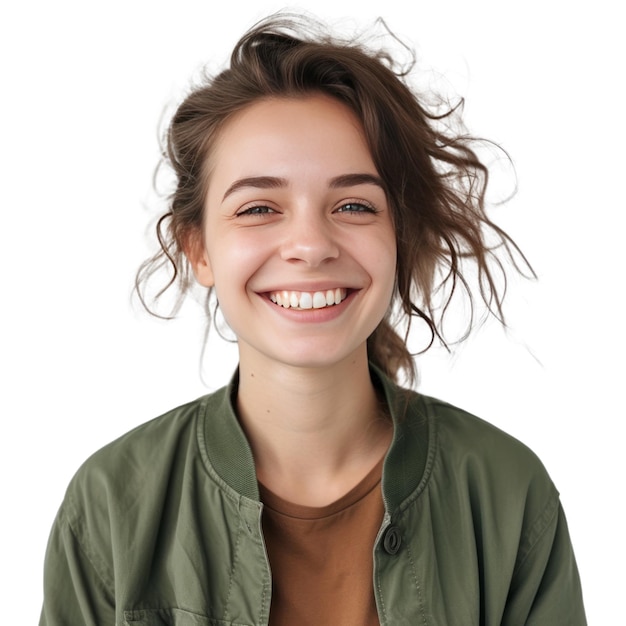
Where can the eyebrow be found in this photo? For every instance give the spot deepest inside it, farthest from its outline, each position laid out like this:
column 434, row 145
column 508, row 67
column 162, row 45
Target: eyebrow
column 352, row 180
column 258, row 182
column 274, row 182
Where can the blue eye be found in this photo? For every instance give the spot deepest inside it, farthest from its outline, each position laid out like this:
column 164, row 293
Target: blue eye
column 256, row 210
column 356, row 207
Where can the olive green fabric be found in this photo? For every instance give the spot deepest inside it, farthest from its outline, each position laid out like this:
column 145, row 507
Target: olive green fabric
column 163, row 526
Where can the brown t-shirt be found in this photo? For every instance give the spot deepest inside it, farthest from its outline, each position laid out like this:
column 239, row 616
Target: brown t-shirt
column 321, row 557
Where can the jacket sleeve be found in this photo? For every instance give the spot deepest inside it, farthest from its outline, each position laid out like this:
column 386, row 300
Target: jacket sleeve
column 75, row 594
column 546, row 586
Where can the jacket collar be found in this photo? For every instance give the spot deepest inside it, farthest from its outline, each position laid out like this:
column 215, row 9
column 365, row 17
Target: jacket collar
column 229, row 460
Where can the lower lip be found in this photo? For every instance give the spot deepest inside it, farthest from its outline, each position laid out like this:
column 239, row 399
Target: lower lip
column 313, row 316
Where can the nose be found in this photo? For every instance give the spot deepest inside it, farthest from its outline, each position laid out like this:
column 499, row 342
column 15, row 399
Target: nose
column 309, row 238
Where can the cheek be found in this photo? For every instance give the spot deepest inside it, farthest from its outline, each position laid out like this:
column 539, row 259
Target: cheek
column 389, row 254
column 235, row 261
column 388, row 270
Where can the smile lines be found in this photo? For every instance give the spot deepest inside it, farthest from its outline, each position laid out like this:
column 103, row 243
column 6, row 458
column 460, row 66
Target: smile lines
column 308, row 300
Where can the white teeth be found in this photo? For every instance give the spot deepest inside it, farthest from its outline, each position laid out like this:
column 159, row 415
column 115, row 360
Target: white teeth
column 319, row 300
column 308, row 300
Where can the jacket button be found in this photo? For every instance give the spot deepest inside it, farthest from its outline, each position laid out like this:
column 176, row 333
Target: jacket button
column 392, row 540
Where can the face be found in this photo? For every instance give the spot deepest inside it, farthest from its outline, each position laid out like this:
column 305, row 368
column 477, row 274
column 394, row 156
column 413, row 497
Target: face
column 298, row 237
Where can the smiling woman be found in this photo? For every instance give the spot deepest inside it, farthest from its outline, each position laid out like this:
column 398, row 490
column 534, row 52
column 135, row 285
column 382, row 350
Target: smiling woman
column 317, row 199
column 311, row 216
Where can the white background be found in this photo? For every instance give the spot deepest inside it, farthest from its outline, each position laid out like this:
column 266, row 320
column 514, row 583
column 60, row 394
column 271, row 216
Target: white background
column 83, row 88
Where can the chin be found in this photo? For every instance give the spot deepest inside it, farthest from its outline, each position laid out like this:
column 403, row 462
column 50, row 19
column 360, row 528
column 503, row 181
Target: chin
column 324, row 358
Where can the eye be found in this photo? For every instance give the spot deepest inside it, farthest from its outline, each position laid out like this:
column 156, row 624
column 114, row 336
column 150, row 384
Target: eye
column 259, row 209
column 356, row 207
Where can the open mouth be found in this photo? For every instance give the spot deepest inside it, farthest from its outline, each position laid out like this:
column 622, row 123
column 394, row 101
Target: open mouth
column 308, row 299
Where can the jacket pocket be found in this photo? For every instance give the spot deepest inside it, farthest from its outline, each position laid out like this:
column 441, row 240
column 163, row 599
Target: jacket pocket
column 171, row 617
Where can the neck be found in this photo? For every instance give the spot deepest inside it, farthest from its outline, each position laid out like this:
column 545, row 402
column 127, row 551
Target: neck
column 314, row 432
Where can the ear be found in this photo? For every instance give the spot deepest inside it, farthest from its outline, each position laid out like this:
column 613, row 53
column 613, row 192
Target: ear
column 198, row 258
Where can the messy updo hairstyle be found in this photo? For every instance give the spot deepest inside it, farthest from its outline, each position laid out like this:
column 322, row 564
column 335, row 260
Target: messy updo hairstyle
column 434, row 181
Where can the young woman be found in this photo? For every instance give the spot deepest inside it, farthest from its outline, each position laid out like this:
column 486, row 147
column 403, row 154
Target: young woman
column 320, row 203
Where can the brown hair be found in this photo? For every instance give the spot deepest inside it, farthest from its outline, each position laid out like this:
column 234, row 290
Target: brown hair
column 434, row 180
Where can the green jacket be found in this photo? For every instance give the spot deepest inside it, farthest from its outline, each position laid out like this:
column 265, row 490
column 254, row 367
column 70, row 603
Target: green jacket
column 163, row 526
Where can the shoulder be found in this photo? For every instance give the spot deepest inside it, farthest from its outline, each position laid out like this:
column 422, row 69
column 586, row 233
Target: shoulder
column 448, row 451
column 140, row 465
column 494, row 474
column 492, row 478
column 139, row 448
column 120, row 491
column 467, row 441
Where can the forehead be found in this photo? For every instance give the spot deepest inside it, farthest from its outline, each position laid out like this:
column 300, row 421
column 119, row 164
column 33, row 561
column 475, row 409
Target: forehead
column 308, row 132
